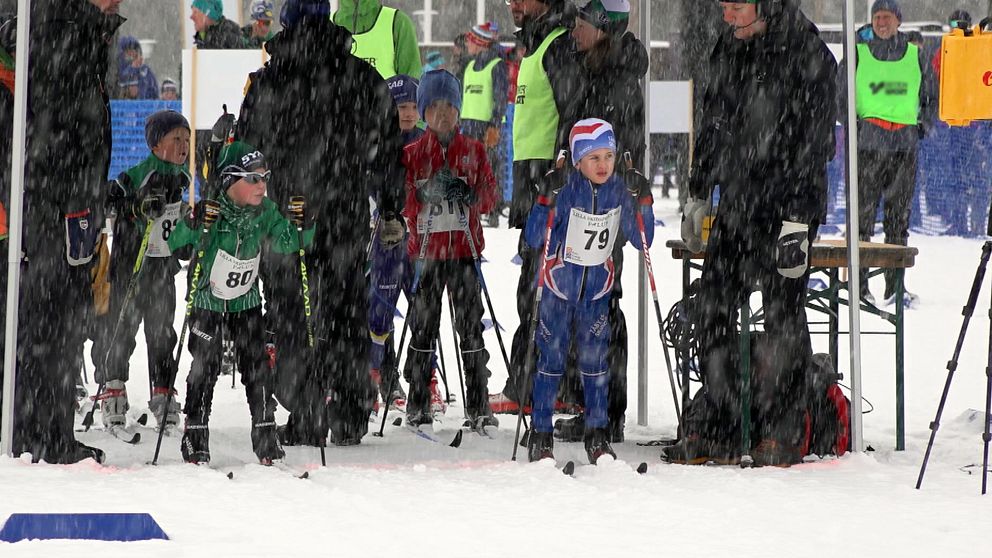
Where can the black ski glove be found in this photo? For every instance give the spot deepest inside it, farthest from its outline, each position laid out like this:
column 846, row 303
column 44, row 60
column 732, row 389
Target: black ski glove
column 152, row 206
column 639, row 186
column 457, row 190
column 119, row 199
column 203, row 216
column 550, row 185
column 792, row 249
column 391, row 230
column 222, row 128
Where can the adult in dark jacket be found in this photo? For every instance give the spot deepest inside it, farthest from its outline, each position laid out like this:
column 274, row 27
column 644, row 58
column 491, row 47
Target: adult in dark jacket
column 614, row 62
column 897, row 102
column 542, row 121
column 211, row 29
column 330, row 131
column 767, row 135
column 68, row 153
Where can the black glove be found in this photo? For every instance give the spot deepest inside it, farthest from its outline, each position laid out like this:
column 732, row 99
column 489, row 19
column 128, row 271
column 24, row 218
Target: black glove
column 457, row 190
column 222, row 128
column 391, row 230
column 434, row 189
column 119, row 199
column 638, row 186
column 297, row 211
column 152, row 206
column 792, row 249
column 205, row 214
column 550, row 185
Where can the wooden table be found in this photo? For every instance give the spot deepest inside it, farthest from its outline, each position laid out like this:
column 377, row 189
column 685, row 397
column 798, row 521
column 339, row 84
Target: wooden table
column 827, row 257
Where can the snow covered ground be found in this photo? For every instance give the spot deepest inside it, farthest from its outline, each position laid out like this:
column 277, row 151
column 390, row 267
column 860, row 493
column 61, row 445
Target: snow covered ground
column 404, row 496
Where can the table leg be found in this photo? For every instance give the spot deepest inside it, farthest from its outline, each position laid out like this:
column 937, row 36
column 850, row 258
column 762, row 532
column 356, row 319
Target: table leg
column 745, row 390
column 686, row 271
column 900, row 363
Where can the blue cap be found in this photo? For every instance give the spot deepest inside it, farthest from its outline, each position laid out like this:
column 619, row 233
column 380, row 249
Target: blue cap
column 589, row 135
column 293, row 11
column 403, row 88
column 438, row 85
column 888, row 6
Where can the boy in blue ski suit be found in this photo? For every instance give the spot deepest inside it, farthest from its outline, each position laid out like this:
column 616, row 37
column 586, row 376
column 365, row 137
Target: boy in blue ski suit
column 592, row 207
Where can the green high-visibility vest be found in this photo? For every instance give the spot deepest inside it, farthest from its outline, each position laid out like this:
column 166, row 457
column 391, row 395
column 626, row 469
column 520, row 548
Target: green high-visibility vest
column 889, row 91
column 535, row 116
column 376, row 46
column 477, row 92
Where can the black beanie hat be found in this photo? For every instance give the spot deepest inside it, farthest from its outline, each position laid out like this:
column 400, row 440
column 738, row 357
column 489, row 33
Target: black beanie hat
column 161, row 123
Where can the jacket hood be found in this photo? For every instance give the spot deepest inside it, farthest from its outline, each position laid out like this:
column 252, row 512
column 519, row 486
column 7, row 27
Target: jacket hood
column 311, row 41
column 536, row 29
column 367, row 11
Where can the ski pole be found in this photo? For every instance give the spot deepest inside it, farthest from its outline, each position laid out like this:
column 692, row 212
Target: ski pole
column 211, row 211
column 139, row 264
column 418, row 268
column 444, row 367
column 654, row 295
column 297, row 208
column 458, row 353
column 535, row 307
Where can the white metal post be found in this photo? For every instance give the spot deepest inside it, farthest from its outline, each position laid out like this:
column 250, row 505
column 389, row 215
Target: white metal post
column 15, row 229
column 644, row 14
column 853, row 234
column 480, row 11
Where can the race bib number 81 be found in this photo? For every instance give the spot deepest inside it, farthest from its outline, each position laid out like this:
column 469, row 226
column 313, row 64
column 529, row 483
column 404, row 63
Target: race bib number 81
column 158, row 243
column 590, row 238
column 231, row 277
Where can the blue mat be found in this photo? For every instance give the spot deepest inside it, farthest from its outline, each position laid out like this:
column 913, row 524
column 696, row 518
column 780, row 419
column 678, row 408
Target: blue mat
column 123, row 527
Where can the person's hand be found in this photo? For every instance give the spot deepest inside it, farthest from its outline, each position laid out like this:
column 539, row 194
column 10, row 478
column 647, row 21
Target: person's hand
column 203, row 216
column 222, row 127
column 550, row 186
column 457, row 190
column 637, row 184
column 492, row 137
column 391, row 230
column 152, row 206
column 119, row 199
column 692, row 224
column 792, row 249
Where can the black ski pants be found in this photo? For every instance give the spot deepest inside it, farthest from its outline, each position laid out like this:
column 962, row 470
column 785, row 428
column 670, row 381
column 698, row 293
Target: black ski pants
column 740, row 258
column 888, row 176
column 154, row 303
column 462, row 281
column 206, row 337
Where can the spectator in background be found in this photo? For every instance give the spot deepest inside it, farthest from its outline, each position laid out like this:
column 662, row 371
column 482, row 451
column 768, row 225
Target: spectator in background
column 260, row 29
column 130, row 55
column 435, row 61
column 213, row 30
column 959, row 19
column 128, row 81
column 170, row 91
column 484, row 86
column 459, row 55
column 384, row 37
column 896, row 102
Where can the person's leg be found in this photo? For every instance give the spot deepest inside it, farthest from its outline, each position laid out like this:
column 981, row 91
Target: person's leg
column 617, row 364
column 592, row 336
column 465, row 289
column 161, row 339
column 872, row 181
column 249, row 346
column 425, row 318
column 207, row 352
column 554, row 335
column 898, row 204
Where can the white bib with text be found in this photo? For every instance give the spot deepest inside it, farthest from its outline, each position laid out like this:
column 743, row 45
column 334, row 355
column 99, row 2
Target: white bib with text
column 231, row 277
column 158, row 242
column 589, row 240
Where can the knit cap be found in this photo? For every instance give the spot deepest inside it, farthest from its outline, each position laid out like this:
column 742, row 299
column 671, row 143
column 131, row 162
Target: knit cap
column 589, row 135
column 483, row 35
column 438, row 85
column 888, row 6
column 607, row 15
column 161, row 123
column 237, row 157
column 214, row 9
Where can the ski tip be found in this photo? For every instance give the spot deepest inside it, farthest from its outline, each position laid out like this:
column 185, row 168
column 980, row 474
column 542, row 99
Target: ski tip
column 398, row 421
column 569, row 468
column 305, row 475
column 136, row 439
column 143, row 419
column 230, row 475
column 457, row 441
column 642, row 468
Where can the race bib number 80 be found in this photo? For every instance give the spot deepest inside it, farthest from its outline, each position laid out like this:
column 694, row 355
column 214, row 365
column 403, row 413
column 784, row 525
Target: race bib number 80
column 590, row 238
column 231, row 277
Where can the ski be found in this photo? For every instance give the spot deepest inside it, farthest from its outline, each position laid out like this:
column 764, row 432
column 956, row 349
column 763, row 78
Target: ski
column 480, row 429
column 455, row 442
column 124, row 435
column 287, row 469
column 569, row 468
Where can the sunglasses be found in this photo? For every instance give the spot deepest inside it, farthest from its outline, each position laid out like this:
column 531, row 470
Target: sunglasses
column 253, row 177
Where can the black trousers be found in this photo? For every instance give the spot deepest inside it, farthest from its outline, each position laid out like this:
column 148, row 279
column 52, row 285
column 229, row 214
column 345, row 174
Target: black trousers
column 329, row 385
column 462, row 281
column 154, row 303
column 53, row 316
column 740, row 257
column 206, row 331
column 888, row 176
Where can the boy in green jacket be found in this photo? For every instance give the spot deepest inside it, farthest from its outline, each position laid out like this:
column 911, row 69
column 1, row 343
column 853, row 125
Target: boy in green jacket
column 230, row 294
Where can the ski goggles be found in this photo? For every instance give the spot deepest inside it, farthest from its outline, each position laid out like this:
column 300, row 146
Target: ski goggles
column 252, row 177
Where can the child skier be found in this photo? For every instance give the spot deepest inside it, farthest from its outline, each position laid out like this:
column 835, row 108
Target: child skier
column 390, row 271
column 593, row 206
column 231, row 253
column 147, row 195
column 449, row 184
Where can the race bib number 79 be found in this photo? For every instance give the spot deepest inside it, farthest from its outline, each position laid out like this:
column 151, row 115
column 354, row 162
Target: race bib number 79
column 590, row 238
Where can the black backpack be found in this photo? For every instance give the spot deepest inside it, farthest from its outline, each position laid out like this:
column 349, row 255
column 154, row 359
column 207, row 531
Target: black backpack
column 828, row 414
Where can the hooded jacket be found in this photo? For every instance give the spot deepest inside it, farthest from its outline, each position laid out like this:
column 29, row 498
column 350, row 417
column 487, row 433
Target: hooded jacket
column 570, row 281
column 223, row 35
column 327, row 125
column 768, row 116
column 466, row 158
column 614, row 93
column 404, row 33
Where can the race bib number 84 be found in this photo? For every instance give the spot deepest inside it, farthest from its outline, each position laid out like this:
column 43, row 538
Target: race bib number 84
column 231, row 277
column 590, row 238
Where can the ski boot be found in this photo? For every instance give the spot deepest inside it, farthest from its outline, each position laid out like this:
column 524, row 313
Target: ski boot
column 438, row 405
column 114, row 407
column 598, row 444
column 265, row 443
column 76, row 452
column 571, row 429
column 694, row 450
column 540, row 445
column 195, row 445
column 168, row 420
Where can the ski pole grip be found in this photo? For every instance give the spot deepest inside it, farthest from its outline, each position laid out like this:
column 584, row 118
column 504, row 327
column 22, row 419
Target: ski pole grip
column 628, row 160
column 297, row 209
column 560, row 159
column 211, row 211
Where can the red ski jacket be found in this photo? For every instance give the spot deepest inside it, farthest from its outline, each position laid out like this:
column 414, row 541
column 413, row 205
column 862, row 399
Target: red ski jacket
column 466, row 158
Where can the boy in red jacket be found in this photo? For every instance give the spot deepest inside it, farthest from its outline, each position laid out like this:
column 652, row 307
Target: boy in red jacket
column 449, row 184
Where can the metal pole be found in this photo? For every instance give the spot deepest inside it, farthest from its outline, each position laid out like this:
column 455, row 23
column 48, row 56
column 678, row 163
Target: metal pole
column 644, row 13
column 16, row 219
column 480, row 11
column 853, row 234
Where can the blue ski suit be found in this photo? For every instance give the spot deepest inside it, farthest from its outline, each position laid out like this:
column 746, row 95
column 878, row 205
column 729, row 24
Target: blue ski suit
column 577, row 295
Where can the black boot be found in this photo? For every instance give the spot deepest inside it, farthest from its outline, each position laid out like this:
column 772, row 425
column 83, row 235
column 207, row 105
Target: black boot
column 77, row 451
column 265, row 443
column 598, row 444
column 195, row 445
column 540, row 445
column 571, row 429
